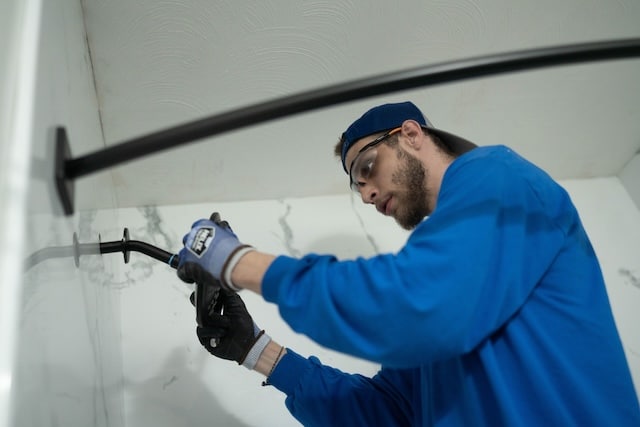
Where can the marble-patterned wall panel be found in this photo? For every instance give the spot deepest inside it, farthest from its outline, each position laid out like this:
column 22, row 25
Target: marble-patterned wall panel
column 612, row 221
column 68, row 369
column 170, row 380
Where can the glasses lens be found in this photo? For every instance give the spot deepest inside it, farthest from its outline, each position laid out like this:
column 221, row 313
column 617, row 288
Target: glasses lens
column 362, row 167
column 363, row 163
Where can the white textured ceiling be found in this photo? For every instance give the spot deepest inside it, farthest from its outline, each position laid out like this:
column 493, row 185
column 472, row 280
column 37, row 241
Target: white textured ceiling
column 163, row 63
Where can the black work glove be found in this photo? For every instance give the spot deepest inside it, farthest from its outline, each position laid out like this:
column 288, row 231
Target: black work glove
column 229, row 332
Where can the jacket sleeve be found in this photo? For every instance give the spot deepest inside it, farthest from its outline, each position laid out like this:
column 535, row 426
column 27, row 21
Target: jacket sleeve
column 462, row 274
column 319, row 395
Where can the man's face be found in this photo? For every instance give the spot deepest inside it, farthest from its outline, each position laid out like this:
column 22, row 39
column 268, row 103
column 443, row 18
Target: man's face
column 395, row 183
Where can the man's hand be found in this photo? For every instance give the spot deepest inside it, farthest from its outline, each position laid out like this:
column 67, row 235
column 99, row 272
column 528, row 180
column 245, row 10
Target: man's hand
column 211, row 250
column 228, row 331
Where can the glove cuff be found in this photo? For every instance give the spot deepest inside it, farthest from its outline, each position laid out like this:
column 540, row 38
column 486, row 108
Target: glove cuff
column 251, row 359
column 230, row 264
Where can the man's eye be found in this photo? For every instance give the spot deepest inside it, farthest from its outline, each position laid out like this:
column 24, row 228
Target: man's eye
column 365, row 169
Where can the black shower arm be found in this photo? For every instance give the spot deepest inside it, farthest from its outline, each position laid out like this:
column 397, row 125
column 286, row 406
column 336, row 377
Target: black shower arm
column 67, row 168
column 126, row 246
column 77, row 249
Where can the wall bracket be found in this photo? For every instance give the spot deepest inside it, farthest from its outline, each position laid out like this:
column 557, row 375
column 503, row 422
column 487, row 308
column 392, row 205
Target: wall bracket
column 64, row 185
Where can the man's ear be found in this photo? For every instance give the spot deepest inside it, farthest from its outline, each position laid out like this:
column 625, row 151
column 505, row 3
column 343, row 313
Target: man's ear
column 412, row 131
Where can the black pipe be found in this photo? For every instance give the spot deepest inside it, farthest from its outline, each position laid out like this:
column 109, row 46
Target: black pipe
column 349, row 91
column 125, row 246
column 142, row 247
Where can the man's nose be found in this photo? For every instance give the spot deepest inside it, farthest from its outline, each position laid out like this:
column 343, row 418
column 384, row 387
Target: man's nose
column 368, row 193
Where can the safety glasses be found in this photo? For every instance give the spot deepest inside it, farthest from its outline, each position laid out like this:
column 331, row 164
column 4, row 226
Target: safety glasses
column 365, row 160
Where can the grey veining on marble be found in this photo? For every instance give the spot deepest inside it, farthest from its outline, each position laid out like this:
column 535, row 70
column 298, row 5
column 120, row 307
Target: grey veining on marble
column 287, row 231
column 370, row 238
column 148, row 228
column 154, row 230
column 146, row 224
column 630, row 277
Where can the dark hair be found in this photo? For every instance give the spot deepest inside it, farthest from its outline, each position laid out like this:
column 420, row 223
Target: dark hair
column 337, row 150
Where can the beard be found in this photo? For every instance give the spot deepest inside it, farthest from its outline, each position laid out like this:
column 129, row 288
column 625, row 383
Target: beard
column 412, row 201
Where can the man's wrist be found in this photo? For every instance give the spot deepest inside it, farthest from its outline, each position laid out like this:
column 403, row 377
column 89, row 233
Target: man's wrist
column 230, row 264
column 269, row 358
column 248, row 271
column 252, row 357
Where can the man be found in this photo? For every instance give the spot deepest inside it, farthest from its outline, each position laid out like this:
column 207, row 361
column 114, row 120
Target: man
column 494, row 313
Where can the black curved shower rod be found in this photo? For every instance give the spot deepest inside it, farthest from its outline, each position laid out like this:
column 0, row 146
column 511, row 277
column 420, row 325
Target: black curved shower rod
column 68, row 169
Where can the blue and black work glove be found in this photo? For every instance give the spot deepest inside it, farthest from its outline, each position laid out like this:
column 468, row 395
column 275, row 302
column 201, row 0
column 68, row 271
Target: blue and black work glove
column 211, row 251
column 229, row 332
